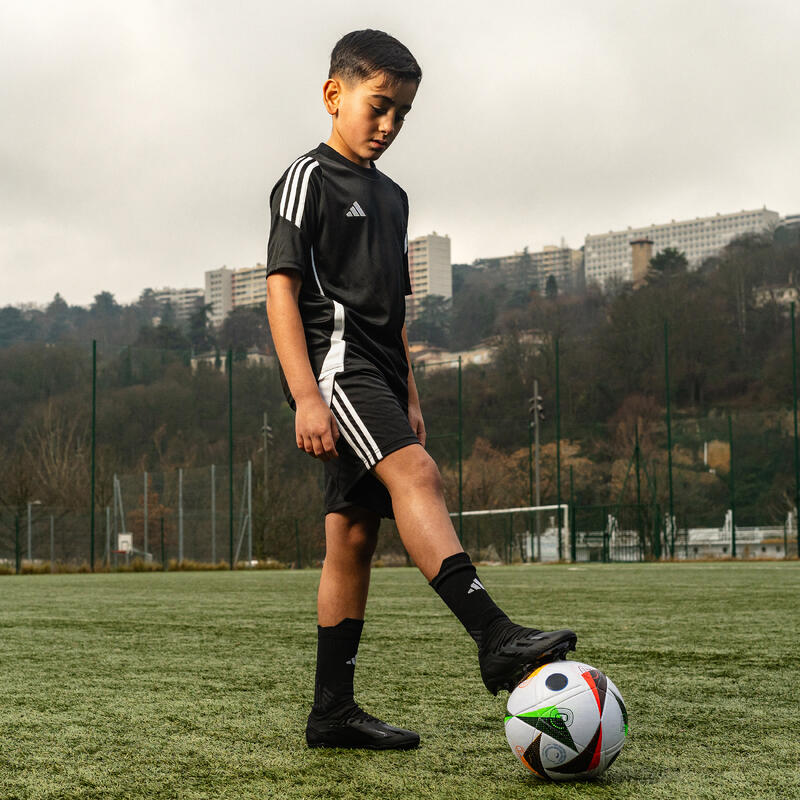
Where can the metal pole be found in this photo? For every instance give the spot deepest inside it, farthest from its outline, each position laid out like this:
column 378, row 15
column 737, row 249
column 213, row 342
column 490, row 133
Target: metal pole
column 108, row 535
column 94, row 442
column 249, row 512
column 460, row 458
column 163, row 556
column 17, row 554
column 733, row 490
column 180, row 515
column 229, row 363
column 530, row 477
column 558, row 452
column 265, row 431
column 213, row 515
column 538, row 477
column 53, row 545
column 796, row 449
column 636, row 454
column 669, row 439
column 572, row 533
column 144, row 532
column 30, row 533
column 297, row 544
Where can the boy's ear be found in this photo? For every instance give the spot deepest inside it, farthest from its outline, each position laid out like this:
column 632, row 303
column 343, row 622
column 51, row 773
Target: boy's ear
column 331, row 95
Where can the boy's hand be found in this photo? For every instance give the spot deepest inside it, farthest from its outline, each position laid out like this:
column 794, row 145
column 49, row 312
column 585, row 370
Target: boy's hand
column 416, row 421
column 315, row 429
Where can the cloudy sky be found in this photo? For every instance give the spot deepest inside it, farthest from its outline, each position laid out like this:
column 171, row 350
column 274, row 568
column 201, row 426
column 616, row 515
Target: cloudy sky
column 139, row 141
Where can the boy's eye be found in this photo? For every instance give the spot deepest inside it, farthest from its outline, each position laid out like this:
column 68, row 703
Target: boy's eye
column 379, row 111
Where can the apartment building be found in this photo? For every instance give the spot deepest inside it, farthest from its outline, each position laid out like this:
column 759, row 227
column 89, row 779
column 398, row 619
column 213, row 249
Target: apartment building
column 608, row 255
column 430, row 269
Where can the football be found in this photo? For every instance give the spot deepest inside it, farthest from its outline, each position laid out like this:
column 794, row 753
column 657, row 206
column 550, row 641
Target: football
column 566, row 721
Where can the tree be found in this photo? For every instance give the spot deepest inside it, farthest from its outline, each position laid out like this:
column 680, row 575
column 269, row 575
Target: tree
column 668, row 262
column 551, row 287
column 200, row 333
column 242, row 329
column 432, row 324
column 14, row 327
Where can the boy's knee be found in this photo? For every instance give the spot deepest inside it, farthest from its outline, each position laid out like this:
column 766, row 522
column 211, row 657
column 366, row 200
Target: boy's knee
column 421, row 474
column 353, row 535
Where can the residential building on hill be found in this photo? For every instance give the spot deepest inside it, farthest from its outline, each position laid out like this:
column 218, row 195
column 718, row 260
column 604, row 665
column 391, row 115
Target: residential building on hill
column 608, row 255
column 430, row 269
column 184, row 302
column 227, row 289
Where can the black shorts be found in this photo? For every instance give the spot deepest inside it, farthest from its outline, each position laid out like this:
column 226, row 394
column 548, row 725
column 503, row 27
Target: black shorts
column 373, row 422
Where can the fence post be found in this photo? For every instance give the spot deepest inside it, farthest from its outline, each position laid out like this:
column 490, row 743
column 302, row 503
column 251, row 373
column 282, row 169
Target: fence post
column 669, row 424
column 144, row 532
column 108, row 536
column 94, row 440
column 573, row 549
column 249, row 512
column 180, row 515
column 460, row 457
column 796, row 446
column 558, row 451
column 229, row 363
column 16, row 543
column 52, row 546
column 733, row 489
column 213, row 514
column 163, row 558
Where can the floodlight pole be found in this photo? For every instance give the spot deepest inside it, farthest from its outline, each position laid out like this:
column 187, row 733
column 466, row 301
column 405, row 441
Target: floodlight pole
column 558, row 453
column 796, row 448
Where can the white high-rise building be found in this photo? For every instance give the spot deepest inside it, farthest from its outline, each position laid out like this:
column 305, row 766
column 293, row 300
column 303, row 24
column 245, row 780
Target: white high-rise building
column 184, row 302
column 227, row 289
column 608, row 255
column 219, row 295
column 430, row 270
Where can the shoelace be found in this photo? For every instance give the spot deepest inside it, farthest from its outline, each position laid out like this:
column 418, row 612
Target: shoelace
column 359, row 715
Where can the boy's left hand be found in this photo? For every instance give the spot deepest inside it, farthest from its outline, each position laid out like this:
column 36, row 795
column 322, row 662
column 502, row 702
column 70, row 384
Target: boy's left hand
column 416, row 421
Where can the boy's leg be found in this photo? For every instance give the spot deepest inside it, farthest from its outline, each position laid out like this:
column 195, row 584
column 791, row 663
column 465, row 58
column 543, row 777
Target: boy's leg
column 335, row 719
column 506, row 651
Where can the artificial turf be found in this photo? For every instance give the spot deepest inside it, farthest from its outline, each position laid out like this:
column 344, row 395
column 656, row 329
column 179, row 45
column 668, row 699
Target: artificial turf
column 197, row 685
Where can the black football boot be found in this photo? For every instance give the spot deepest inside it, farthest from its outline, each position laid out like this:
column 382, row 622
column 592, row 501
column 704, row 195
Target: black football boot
column 352, row 727
column 509, row 652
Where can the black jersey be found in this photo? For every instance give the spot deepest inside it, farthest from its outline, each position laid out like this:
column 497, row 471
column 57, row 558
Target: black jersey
column 343, row 227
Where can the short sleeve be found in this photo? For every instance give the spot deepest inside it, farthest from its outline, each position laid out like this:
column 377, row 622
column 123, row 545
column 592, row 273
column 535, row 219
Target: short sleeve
column 406, row 274
column 294, row 209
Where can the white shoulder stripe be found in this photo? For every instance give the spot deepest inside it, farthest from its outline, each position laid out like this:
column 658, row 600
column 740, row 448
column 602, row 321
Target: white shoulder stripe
column 286, row 185
column 302, row 201
column 287, row 212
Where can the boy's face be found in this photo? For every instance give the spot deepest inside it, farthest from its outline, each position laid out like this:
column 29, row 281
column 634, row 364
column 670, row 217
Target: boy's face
column 366, row 115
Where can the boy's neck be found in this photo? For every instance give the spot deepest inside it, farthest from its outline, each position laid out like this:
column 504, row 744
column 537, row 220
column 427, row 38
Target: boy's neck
column 335, row 142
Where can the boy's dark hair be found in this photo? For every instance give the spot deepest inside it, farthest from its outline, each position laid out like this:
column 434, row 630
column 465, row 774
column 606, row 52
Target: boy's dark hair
column 359, row 55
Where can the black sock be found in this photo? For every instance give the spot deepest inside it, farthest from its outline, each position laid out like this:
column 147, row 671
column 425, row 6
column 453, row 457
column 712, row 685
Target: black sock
column 337, row 646
column 458, row 585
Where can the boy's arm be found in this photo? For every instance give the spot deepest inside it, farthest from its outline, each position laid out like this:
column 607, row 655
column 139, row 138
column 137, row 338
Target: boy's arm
column 315, row 427
column 414, row 410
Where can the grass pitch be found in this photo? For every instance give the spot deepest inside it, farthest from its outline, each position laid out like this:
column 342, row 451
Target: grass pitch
column 197, row 685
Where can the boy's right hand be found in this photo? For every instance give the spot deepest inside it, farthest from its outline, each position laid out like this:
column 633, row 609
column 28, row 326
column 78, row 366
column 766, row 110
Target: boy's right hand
column 315, row 429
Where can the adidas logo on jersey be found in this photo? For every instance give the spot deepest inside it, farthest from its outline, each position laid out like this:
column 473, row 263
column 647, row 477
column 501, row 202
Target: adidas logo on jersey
column 351, row 661
column 475, row 586
column 355, row 211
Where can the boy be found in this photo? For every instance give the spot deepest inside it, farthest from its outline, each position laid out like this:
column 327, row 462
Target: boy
column 337, row 268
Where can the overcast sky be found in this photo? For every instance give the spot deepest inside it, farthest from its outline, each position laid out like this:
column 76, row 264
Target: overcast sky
column 139, row 141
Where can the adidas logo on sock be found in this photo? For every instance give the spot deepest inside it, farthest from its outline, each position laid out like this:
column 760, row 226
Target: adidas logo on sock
column 355, row 211
column 475, row 586
column 351, row 661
